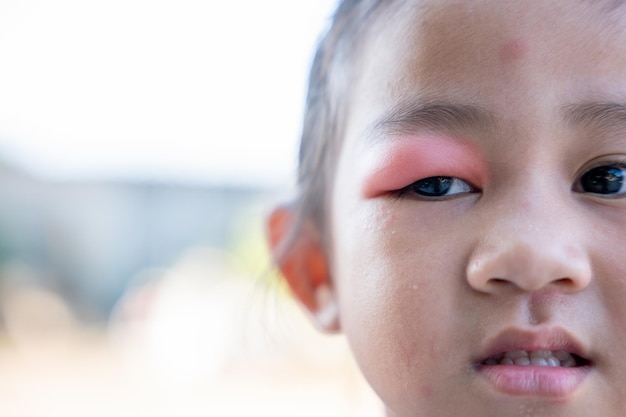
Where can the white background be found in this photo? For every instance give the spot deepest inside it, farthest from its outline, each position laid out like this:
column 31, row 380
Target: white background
column 184, row 90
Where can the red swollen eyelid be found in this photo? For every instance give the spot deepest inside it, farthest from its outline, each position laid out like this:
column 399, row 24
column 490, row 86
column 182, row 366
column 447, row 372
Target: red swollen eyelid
column 407, row 160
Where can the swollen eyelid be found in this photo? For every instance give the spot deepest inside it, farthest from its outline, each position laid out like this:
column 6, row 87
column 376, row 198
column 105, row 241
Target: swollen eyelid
column 408, row 161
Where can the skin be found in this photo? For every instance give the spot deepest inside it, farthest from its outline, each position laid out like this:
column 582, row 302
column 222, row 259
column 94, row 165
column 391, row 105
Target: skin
column 422, row 287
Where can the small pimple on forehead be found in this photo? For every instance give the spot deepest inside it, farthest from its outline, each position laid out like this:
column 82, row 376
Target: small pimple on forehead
column 513, row 50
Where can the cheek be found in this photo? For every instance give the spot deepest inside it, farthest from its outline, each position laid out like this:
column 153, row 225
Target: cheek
column 381, row 252
column 396, row 292
column 409, row 159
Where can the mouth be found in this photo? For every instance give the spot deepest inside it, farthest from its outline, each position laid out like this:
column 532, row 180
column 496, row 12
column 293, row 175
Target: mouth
column 547, row 363
column 548, row 358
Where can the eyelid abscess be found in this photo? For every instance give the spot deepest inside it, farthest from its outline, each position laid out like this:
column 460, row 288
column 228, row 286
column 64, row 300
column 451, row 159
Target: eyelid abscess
column 399, row 162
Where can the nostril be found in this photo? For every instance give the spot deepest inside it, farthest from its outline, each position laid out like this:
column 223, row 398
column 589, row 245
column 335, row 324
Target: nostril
column 566, row 282
column 499, row 282
column 496, row 285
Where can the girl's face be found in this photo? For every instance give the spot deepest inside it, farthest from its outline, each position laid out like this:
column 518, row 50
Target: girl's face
column 478, row 215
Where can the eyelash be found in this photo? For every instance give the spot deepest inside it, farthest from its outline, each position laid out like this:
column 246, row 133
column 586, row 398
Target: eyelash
column 589, row 182
column 437, row 183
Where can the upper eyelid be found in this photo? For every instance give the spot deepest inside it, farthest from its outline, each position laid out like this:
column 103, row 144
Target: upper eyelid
column 610, row 160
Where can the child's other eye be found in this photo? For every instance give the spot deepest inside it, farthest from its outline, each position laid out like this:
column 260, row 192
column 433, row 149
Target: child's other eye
column 605, row 180
column 433, row 187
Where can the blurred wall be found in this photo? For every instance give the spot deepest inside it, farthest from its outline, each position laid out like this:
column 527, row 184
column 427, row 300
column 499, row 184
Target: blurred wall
column 86, row 241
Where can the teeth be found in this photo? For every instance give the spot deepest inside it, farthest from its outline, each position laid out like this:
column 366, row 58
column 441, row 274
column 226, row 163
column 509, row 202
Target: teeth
column 535, row 358
column 522, row 361
column 539, row 361
column 552, row 361
column 517, row 354
column 541, row 354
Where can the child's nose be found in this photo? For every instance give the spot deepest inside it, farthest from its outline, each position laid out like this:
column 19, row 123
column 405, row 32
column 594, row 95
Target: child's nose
column 530, row 249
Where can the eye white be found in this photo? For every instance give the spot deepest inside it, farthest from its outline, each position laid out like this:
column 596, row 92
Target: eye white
column 459, row 186
column 438, row 186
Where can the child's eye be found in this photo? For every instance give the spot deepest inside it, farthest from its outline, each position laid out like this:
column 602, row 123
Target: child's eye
column 433, row 187
column 605, row 180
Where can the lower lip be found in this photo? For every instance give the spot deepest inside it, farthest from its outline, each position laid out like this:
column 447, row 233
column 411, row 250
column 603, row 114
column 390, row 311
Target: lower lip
column 534, row 380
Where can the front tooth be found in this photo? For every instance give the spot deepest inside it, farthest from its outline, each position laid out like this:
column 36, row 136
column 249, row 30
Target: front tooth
column 538, row 361
column 507, row 361
column 522, row 361
column 540, row 354
column 516, row 354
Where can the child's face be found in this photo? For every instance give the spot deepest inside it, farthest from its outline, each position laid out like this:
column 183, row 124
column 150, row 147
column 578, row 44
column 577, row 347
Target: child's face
column 516, row 111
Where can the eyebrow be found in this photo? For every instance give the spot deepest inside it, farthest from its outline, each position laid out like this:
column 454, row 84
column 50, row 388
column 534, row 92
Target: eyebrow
column 407, row 116
column 609, row 116
column 411, row 115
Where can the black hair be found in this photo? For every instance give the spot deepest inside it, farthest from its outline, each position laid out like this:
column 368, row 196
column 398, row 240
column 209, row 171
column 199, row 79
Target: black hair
column 325, row 111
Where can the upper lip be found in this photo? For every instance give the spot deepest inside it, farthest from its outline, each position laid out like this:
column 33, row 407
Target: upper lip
column 542, row 339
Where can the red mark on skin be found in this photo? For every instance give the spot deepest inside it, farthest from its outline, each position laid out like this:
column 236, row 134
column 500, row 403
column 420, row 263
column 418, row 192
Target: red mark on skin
column 427, row 391
column 406, row 160
column 513, row 51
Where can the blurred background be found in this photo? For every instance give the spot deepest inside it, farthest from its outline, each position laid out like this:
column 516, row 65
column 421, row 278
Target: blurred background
column 142, row 143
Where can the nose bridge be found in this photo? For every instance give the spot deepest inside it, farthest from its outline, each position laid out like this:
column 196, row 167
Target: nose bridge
column 531, row 242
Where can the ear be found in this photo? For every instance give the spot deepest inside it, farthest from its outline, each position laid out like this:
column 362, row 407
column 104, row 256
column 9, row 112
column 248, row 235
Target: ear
column 300, row 256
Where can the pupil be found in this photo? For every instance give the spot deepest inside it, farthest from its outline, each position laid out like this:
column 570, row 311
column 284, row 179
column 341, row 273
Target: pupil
column 433, row 186
column 602, row 180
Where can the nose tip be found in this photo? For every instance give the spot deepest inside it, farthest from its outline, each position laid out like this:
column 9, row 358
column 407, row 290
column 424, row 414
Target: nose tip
column 528, row 266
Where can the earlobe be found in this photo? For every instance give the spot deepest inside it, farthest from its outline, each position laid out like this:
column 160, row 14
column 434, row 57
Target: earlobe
column 327, row 313
column 300, row 256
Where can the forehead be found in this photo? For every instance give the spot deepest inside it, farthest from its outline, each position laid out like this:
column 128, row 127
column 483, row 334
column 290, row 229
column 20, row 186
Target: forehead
column 512, row 57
